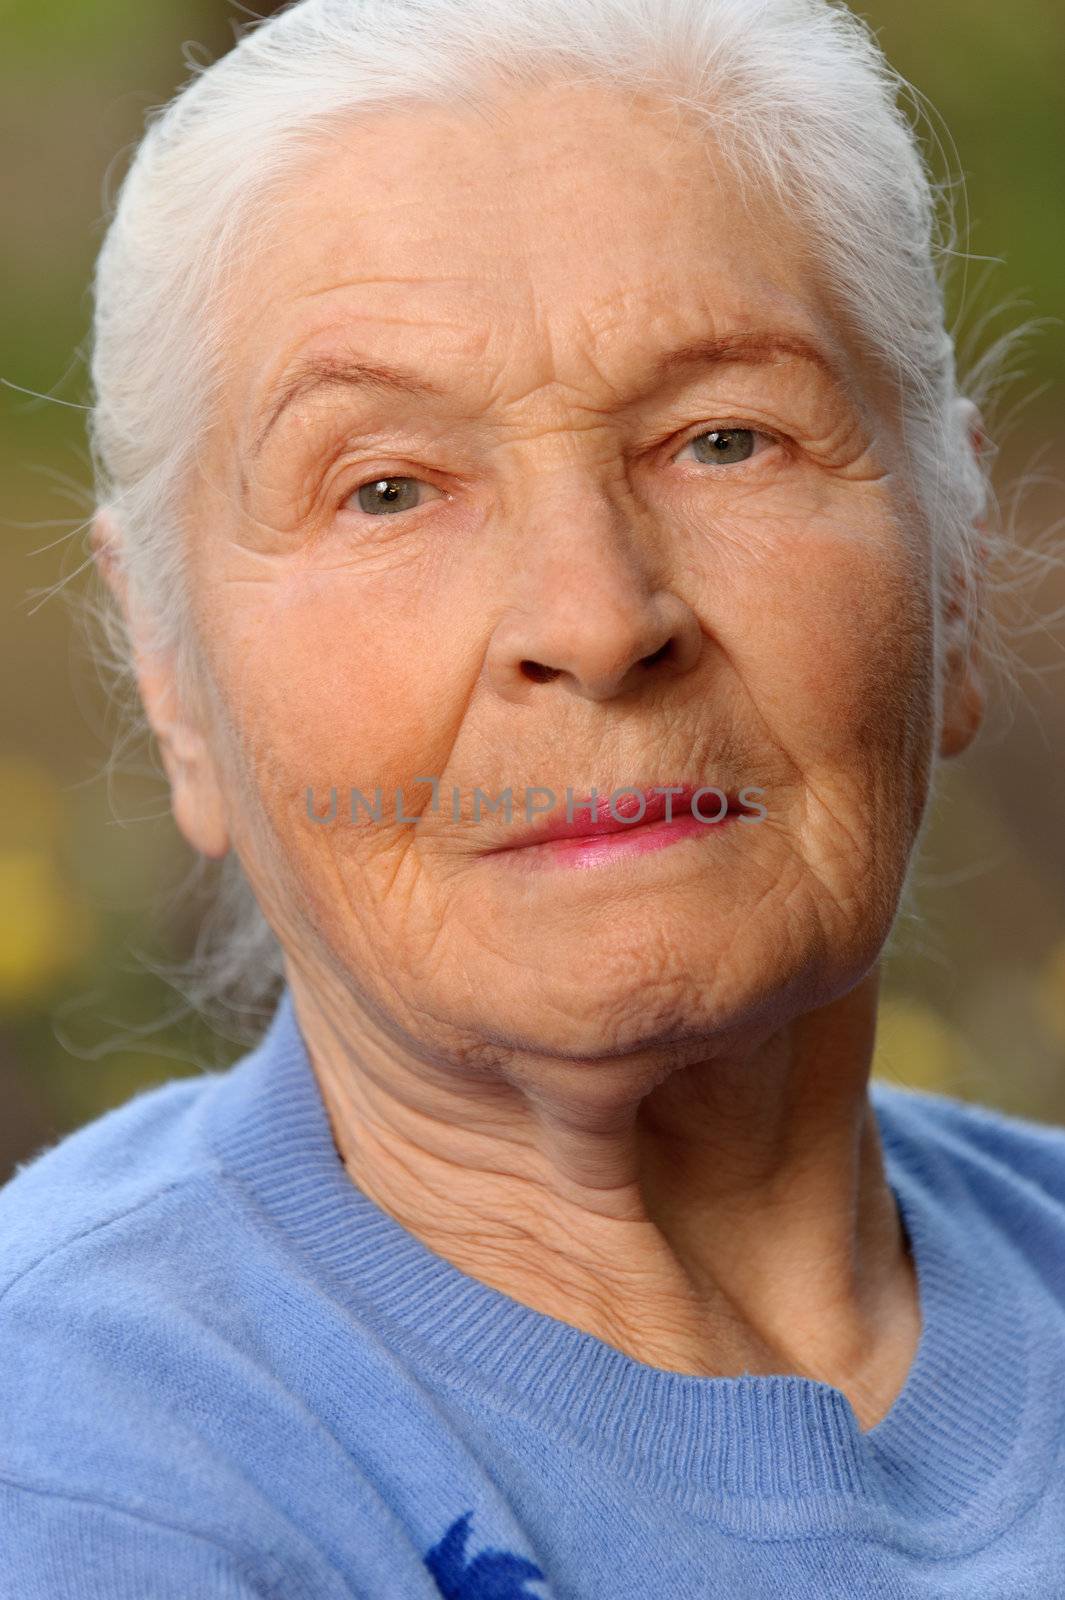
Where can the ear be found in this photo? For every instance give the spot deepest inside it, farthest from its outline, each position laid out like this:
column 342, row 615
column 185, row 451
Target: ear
column 964, row 693
column 196, row 796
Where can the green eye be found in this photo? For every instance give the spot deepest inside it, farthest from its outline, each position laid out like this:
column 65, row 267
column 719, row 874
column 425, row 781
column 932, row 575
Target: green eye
column 388, row 494
column 723, row 446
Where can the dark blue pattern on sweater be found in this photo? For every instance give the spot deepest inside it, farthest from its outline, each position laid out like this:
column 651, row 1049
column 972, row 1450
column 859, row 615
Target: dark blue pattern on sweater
column 493, row 1575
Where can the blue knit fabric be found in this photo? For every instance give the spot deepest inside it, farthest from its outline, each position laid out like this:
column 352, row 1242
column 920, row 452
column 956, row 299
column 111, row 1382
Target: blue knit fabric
column 225, row 1372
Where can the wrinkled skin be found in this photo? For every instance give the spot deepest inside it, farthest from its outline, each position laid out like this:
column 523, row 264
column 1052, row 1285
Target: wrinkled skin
column 635, row 1097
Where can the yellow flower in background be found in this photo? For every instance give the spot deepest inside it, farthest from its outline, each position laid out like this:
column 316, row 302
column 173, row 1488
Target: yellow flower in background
column 44, row 928
column 917, row 1048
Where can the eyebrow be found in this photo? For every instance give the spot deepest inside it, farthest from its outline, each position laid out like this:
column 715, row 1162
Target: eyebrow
column 339, row 372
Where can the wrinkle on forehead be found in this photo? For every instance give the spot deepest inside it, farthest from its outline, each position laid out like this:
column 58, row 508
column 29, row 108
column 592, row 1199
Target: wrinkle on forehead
column 549, row 249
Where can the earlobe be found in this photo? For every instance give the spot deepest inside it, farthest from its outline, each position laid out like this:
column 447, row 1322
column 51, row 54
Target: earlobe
column 964, row 698
column 964, row 717
column 200, row 816
column 196, row 798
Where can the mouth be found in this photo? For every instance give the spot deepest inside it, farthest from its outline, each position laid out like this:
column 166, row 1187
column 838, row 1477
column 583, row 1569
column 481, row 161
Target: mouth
column 639, row 821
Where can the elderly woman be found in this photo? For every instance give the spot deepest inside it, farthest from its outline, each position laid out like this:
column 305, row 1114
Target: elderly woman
column 551, row 539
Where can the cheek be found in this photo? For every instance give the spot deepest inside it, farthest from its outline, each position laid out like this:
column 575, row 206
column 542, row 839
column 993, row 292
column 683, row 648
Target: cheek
column 334, row 686
column 845, row 631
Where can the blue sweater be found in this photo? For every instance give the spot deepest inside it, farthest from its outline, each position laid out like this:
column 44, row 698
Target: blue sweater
column 225, row 1372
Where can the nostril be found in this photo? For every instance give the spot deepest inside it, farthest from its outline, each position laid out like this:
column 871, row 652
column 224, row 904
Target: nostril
column 657, row 655
column 539, row 673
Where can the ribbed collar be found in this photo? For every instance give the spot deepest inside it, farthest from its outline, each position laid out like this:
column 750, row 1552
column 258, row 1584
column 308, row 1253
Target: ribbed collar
column 965, row 1447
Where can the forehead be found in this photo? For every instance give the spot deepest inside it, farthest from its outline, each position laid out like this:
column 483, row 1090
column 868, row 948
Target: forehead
column 547, row 238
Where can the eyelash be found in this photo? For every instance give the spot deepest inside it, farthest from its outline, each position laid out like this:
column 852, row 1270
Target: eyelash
column 763, row 434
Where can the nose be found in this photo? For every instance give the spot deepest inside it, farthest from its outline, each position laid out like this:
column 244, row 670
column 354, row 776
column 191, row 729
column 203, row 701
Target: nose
column 589, row 617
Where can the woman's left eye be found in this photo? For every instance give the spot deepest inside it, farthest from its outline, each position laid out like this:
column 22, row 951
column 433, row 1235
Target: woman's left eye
column 388, row 495
column 726, row 446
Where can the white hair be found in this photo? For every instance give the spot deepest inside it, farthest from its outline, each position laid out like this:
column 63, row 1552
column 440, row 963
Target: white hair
column 795, row 94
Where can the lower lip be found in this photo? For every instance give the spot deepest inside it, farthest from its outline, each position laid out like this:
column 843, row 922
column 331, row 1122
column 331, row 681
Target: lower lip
column 599, row 850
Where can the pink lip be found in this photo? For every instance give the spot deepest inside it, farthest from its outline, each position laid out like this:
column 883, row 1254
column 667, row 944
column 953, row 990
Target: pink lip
column 591, row 840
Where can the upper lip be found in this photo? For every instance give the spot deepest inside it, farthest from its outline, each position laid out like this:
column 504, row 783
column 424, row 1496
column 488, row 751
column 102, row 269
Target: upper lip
column 595, row 820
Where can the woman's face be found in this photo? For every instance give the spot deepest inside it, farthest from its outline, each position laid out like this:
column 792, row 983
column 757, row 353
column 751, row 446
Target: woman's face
column 752, row 611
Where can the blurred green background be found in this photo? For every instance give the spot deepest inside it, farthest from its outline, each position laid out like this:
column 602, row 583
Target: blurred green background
column 91, row 867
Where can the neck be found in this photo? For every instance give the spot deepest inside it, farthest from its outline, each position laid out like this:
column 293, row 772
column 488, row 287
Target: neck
column 716, row 1216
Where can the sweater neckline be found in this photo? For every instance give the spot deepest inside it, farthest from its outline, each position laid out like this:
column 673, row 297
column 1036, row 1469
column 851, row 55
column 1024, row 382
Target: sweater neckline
column 953, row 1461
